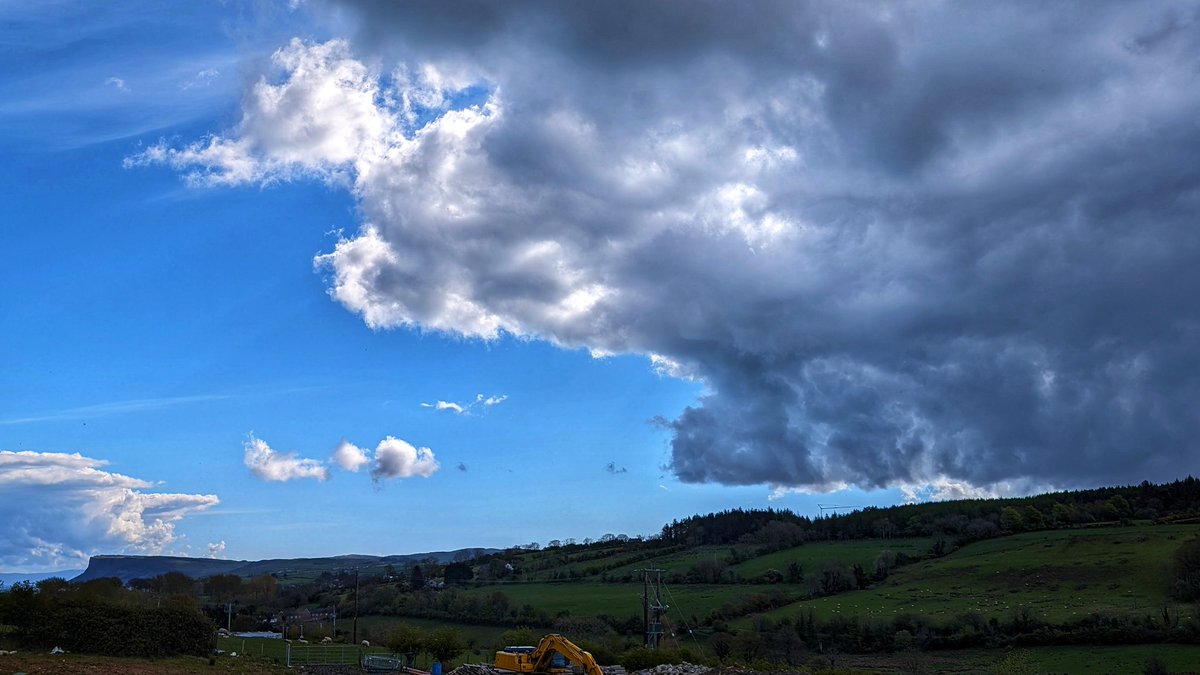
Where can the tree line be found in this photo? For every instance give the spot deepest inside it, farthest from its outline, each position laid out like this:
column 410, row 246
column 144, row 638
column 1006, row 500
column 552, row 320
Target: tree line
column 103, row 617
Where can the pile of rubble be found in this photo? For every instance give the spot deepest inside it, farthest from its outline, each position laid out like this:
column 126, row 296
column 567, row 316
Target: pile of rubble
column 330, row 670
column 675, row 669
column 472, row 669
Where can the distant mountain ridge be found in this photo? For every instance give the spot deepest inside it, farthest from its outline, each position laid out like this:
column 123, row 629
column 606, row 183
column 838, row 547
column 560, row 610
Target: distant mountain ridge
column 10, row 578
column 129, row 567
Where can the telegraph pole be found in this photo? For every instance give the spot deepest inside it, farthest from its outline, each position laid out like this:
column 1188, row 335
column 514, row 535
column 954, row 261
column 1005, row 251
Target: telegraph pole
column 652, row 608
column 355, row 607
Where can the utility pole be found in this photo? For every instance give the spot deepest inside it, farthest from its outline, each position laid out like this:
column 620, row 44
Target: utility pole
column 355, row 607
column 652, row 608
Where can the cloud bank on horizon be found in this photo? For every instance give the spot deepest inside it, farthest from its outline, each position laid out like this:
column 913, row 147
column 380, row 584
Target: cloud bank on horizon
column 901, row 245
column 61, row 508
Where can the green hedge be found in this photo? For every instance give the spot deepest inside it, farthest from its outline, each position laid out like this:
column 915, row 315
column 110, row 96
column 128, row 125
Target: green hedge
column 99, row 627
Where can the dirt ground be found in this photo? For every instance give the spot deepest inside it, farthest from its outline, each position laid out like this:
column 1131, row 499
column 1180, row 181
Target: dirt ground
column 78, row 664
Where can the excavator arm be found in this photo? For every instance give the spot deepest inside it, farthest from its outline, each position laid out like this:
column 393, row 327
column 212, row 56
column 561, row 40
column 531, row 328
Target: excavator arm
column 556, row 643
column 540, row 659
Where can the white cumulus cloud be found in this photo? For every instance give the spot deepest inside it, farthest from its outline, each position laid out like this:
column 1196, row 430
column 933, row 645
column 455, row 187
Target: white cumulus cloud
column 56, row 510
column 349, row 456
column 395, row 458
column 270, row 465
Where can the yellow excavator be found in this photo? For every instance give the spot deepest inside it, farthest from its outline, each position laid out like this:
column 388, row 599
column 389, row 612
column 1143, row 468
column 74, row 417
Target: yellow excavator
column 551, row 655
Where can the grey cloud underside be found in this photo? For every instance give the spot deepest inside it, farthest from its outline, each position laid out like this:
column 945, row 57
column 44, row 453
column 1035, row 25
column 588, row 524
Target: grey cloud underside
column 897, row 242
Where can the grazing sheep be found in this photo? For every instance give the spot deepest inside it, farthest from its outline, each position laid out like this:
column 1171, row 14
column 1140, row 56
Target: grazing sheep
column 326, row 640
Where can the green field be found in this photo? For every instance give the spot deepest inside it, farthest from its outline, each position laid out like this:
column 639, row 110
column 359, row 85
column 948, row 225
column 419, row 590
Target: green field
column 860, row 551
column 680, row 562
column 1088, row 660
column 625, row 599
column 1061, row 575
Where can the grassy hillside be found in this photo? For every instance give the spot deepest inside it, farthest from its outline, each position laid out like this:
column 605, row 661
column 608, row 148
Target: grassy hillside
column 811, row 557
column 1060, row 575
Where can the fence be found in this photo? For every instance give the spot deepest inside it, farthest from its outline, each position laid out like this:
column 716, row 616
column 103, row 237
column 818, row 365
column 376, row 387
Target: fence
column 315, row 655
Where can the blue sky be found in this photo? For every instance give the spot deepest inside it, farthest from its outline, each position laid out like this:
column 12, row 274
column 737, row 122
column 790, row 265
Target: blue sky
column 835, row 257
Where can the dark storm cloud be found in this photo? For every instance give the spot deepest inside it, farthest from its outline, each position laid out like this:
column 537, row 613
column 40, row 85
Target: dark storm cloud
column 899, row 243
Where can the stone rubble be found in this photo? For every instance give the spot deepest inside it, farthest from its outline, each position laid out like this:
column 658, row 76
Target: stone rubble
column 675, row 669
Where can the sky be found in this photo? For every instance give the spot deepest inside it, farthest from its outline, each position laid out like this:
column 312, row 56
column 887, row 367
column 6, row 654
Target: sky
column 321, row 277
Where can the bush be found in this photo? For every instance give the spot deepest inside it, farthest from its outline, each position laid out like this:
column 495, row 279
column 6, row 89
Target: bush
column 642, row 658
column 1186, row 571
column 1155, row 666
column 98, row 627
column 445, row 644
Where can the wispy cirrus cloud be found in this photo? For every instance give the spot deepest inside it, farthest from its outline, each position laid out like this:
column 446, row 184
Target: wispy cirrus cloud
column 203, row 78
column 114, row 408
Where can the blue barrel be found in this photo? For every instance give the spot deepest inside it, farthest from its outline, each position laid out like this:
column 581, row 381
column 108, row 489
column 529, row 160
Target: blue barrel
column 437, row 668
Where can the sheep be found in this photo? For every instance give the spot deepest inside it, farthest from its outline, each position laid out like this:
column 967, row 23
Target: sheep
column 366, row 643
column 327, row 640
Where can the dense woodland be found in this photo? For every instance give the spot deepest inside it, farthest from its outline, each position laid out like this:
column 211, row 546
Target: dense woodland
column 174, row 613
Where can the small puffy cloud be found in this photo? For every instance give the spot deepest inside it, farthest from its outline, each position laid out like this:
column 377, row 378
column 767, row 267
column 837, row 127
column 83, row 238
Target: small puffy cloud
column 446, row 405
column 349, row 456
column 270, row 465
column 612, row 468
column 117, row 83
column 57, row 510
column 461, row 409
column 217, row 549
column 395, row 458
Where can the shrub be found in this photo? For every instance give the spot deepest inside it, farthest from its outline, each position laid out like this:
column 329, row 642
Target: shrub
column 1186, row 570
column 642, row 658
column 1155, row 666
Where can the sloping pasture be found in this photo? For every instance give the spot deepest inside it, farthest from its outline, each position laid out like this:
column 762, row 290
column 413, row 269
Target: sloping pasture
column 1059, row 575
